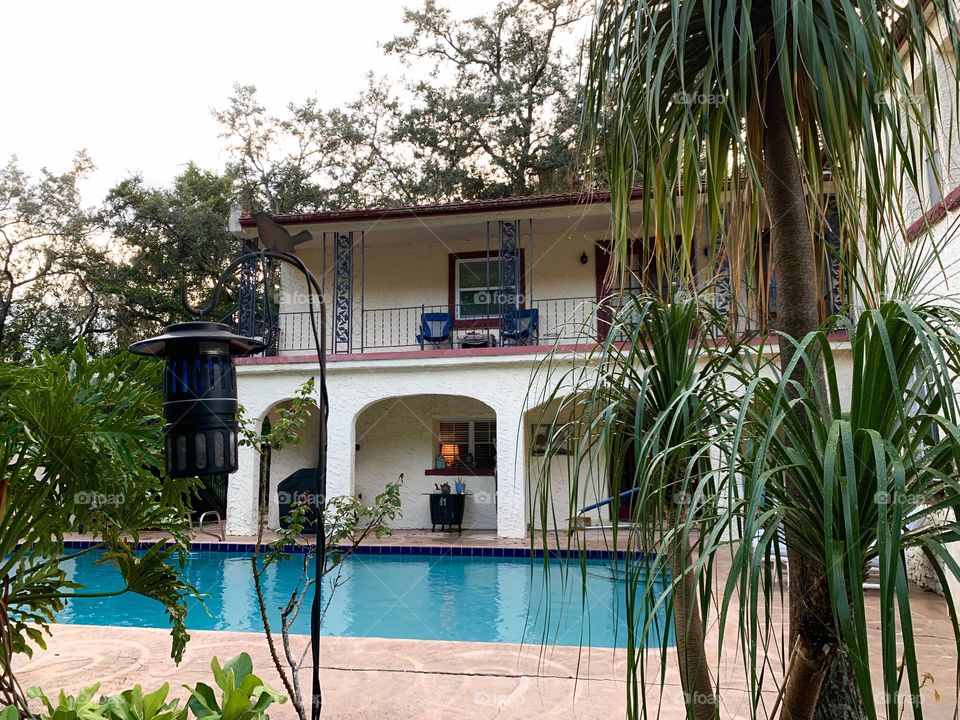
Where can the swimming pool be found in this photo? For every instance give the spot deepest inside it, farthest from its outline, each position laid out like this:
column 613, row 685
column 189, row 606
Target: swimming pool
column 468, row 598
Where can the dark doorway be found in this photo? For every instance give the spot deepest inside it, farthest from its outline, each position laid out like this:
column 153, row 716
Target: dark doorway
column 626, row 467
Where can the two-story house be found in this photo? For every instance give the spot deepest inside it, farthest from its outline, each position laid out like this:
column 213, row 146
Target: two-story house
column 438, row 319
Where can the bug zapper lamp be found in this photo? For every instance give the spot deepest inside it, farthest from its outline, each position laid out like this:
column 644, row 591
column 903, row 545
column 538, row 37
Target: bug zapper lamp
column 199, row 395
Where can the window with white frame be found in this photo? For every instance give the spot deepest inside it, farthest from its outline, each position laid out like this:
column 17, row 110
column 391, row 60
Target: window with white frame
column 468, row 443
column 478, row 287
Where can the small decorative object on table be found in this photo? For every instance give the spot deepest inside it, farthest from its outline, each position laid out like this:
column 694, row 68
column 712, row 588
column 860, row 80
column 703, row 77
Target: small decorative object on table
column 459, row 486
column 440, row 463
column 477, row 340
column 445, row 488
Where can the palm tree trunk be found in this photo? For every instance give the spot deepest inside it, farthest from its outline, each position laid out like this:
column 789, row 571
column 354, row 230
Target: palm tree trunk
column 803, row 686
column 811, row 617
column 688, row 625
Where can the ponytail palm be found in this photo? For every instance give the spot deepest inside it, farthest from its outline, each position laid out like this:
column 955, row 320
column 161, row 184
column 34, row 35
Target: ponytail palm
column 852, row 478
column 749, row 104
column 746, row 105
column 658, row 396
column 732, row 457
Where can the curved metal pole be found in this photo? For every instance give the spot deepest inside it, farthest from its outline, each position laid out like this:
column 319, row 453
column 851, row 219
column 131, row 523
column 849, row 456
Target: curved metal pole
column 320, row 478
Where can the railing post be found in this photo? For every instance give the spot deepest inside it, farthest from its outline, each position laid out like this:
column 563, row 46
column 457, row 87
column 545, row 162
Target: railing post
column 342, row 293
column 421, row 333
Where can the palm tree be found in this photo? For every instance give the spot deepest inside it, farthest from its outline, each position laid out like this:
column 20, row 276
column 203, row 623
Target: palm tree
column 728, row 474
column 749, row 104
column 849, row 488
column 654, row 399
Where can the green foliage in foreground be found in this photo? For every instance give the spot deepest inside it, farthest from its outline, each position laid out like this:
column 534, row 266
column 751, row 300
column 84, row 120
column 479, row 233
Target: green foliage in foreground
column 80, row 443
column 244, row 696
column 853, row 477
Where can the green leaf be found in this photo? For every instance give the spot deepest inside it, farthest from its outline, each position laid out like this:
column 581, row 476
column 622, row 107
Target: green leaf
column 203, row 701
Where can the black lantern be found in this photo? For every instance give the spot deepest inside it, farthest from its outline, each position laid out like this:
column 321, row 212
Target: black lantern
column 199, row 395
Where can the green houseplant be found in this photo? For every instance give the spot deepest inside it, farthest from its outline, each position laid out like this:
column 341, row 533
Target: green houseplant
column 79, row 452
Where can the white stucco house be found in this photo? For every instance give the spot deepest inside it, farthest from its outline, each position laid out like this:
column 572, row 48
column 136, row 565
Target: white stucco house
column 932, row 213
column 515, row 280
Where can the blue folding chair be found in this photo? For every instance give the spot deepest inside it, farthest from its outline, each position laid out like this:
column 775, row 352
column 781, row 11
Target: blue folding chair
column 521, row 327
column 436, row 329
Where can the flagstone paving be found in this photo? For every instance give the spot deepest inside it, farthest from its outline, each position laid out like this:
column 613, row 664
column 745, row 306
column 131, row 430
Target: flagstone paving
column 386, row 678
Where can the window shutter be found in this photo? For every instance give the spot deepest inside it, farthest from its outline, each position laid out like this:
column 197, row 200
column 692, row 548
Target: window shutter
column 456, row 433
column 468, row 441
column 484, row 439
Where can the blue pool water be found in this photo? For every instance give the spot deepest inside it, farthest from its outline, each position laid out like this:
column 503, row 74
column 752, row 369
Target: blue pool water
column 478, row 599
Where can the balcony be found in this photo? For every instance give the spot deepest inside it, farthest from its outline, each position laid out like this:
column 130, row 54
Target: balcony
column 562, row 321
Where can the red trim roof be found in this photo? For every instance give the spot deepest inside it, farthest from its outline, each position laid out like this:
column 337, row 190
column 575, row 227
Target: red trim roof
column 462, row 207
column 526, row 202
column 935, row 214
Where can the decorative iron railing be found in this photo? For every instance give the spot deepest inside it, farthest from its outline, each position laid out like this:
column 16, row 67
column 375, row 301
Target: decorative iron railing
column 561, row 321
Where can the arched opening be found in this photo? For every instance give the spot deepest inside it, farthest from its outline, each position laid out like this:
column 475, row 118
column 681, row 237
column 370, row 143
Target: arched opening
column 279, row 466
column 433, row 440
column 564, row 476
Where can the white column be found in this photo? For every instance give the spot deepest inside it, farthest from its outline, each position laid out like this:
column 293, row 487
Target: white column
column 256, row 392
column 511, row 473
column 341, row 458
column 242, row 494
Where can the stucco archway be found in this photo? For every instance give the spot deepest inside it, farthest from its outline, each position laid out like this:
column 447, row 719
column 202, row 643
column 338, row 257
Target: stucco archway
column 291, row 456
column 402, row 434
column 572, row 478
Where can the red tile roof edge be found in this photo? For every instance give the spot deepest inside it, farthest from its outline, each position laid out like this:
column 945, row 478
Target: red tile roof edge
column 462, row 207
column 522, row 202
column 935, row 214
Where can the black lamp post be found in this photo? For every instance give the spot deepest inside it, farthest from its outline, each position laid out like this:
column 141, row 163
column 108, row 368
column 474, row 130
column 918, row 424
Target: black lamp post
column 200, row 392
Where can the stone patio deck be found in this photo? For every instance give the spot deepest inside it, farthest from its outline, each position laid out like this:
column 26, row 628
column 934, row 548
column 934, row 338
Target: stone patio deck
column 382, row 678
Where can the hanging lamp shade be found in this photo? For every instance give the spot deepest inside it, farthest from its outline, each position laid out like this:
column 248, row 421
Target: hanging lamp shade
column 199, row 395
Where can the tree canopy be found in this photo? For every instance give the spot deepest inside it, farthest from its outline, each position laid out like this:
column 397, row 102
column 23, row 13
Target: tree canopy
column 482, row 106
column 490, row 107
column 46, row 246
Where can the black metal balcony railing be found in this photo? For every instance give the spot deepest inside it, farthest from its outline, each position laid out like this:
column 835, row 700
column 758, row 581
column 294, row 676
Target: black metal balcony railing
column 561, row 320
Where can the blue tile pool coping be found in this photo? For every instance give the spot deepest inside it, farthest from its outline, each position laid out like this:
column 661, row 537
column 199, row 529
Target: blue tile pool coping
column 435, row 550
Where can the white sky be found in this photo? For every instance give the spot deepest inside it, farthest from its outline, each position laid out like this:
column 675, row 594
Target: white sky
column 133, row 82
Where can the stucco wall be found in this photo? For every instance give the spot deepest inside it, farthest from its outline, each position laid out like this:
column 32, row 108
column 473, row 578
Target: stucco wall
column 501, row 382
column 943, row 279
column 947, row 139
column 398, row 436
column 388, row 407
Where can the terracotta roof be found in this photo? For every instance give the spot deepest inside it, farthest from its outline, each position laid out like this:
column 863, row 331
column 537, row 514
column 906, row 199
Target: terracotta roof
column 525, row 202
column 463, row 207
